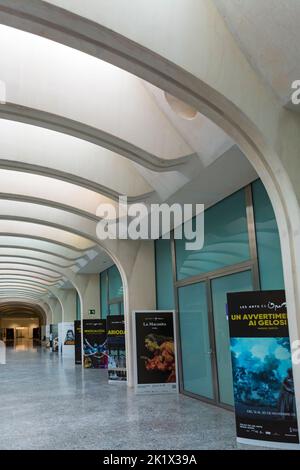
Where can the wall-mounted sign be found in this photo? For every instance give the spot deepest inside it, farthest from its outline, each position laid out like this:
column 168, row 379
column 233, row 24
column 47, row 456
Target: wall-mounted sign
column 92, row 311
column 155, row 352
column 264, row 395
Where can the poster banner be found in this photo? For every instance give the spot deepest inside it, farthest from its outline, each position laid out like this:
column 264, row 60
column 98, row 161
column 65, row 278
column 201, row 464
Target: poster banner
column 54, row 337
column 264, row 395
column 116, row 348
column 94, row 344
column 155, row 352
column 67, row 340
column 77, row 330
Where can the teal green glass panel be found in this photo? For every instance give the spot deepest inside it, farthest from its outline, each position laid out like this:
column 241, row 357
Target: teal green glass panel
column 225, row 239
column 195, row 342
column 267, row 237
column 164, row 277
column 103, row 294
column 114, row 309
column 115, row 283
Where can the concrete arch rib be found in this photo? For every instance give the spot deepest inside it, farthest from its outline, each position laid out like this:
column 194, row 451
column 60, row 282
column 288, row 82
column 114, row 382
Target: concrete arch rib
column 26, row 280
column 36, row 268
column 11, row 270
column 20, row 296
column 58, row 224
column 46, row 230
column 22, row 285
column 39, row 244
column 47, row 203
column 30, row 261
column 26, row 275
column 7, row 293
column 82, row 131
column 33, row 255
column 72, row 178
column 99, row 105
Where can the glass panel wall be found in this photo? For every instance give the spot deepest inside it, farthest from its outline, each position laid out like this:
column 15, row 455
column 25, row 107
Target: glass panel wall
column 220, row 287
column 226, row 240
column 164, row 277
column 111, row 292
column 115, row 308
column 195, row 342
column 205, row 276
column 114, row 283
column 103, row 294
column 267, row 236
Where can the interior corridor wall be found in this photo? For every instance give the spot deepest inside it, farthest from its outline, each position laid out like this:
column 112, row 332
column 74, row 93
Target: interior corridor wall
column 195, row 283
column 111, row 292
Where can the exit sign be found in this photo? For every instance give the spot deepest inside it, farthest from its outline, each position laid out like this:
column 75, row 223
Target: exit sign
column 92, row 311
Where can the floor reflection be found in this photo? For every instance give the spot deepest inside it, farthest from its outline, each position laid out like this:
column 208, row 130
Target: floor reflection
column 62, row 406
column 23, row 344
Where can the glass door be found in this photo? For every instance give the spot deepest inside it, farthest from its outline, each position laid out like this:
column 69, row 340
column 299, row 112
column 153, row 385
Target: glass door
column 220, row 286
column 196, row 349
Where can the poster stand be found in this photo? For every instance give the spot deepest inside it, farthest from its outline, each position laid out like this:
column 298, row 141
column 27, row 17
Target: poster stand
column 155, row 351
column 264, row 395
column 117, row 372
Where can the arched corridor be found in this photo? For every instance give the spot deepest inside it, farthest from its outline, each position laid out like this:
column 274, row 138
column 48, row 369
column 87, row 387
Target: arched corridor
column 95, row 107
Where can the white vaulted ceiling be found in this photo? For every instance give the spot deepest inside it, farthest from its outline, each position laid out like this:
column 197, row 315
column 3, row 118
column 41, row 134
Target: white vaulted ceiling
column 76, row 132
column 268, row 33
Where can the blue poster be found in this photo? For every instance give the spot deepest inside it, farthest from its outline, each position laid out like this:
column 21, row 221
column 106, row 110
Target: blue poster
column 264, row 394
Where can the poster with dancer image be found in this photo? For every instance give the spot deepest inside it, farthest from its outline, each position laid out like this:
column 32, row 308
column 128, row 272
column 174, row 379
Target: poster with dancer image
column 264, row 395
column 116, row 348
column 155, row 352
column 95, row 344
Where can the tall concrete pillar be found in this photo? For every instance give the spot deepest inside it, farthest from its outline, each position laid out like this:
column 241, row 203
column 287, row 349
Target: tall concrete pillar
column 89, row 292
column 56, row 308
column 136, row 263
column 68, row 300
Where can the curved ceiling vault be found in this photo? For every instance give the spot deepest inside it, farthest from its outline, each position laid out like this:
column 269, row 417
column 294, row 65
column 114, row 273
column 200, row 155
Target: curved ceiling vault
column 22, row 309
column 75, row 132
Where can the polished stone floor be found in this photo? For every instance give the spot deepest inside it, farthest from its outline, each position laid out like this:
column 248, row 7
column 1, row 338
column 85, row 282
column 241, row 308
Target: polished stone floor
column 50, row 404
